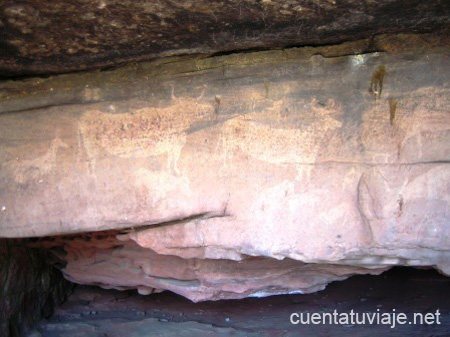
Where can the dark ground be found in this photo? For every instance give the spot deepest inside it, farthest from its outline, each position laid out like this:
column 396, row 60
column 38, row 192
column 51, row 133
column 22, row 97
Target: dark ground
column 92, row 311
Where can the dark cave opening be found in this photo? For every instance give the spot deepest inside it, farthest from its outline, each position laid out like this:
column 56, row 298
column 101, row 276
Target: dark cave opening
column 94, row 312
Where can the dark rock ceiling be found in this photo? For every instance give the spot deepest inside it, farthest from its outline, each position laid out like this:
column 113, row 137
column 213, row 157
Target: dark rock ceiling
column 43, row 37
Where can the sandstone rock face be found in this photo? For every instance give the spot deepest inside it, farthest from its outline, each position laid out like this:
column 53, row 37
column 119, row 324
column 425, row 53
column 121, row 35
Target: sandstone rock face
column 113, row 260
column 233, row 169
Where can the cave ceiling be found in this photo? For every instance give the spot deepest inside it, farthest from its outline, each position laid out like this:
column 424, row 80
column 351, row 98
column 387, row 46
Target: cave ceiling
column 46, row 37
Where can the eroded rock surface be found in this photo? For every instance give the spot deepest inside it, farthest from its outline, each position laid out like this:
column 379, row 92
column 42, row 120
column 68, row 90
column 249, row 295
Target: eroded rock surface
column 113, row 260
column 42, row 37
column 315, row 157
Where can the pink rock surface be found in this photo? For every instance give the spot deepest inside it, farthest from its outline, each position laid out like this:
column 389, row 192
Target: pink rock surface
column 290, row 158
column 112, row 260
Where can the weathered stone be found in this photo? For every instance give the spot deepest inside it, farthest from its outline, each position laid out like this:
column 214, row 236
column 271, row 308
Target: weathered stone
column 42, row 37
column 326, row 160
column 113, row 260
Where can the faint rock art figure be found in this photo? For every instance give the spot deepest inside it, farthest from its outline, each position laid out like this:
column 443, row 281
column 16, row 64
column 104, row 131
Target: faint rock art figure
column 390, row 137
column 150, row 131
column 34, row 170
column 297, row 145
column 416, row 140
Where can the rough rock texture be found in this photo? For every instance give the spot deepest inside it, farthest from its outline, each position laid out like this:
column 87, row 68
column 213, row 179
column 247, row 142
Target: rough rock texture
column 29, row 287
column 113, row 260
column 310, row 154
column 41, row 37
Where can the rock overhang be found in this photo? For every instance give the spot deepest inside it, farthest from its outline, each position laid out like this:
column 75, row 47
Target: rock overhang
column 278, row 170
column 41, row 37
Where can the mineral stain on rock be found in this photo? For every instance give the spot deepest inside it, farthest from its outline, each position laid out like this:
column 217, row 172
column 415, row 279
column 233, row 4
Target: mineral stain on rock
column 376, row 83
column 392, row 110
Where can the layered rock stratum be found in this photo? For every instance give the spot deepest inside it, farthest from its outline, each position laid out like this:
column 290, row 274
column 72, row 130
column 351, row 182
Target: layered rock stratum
column 237, row 175
column 49, row 37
